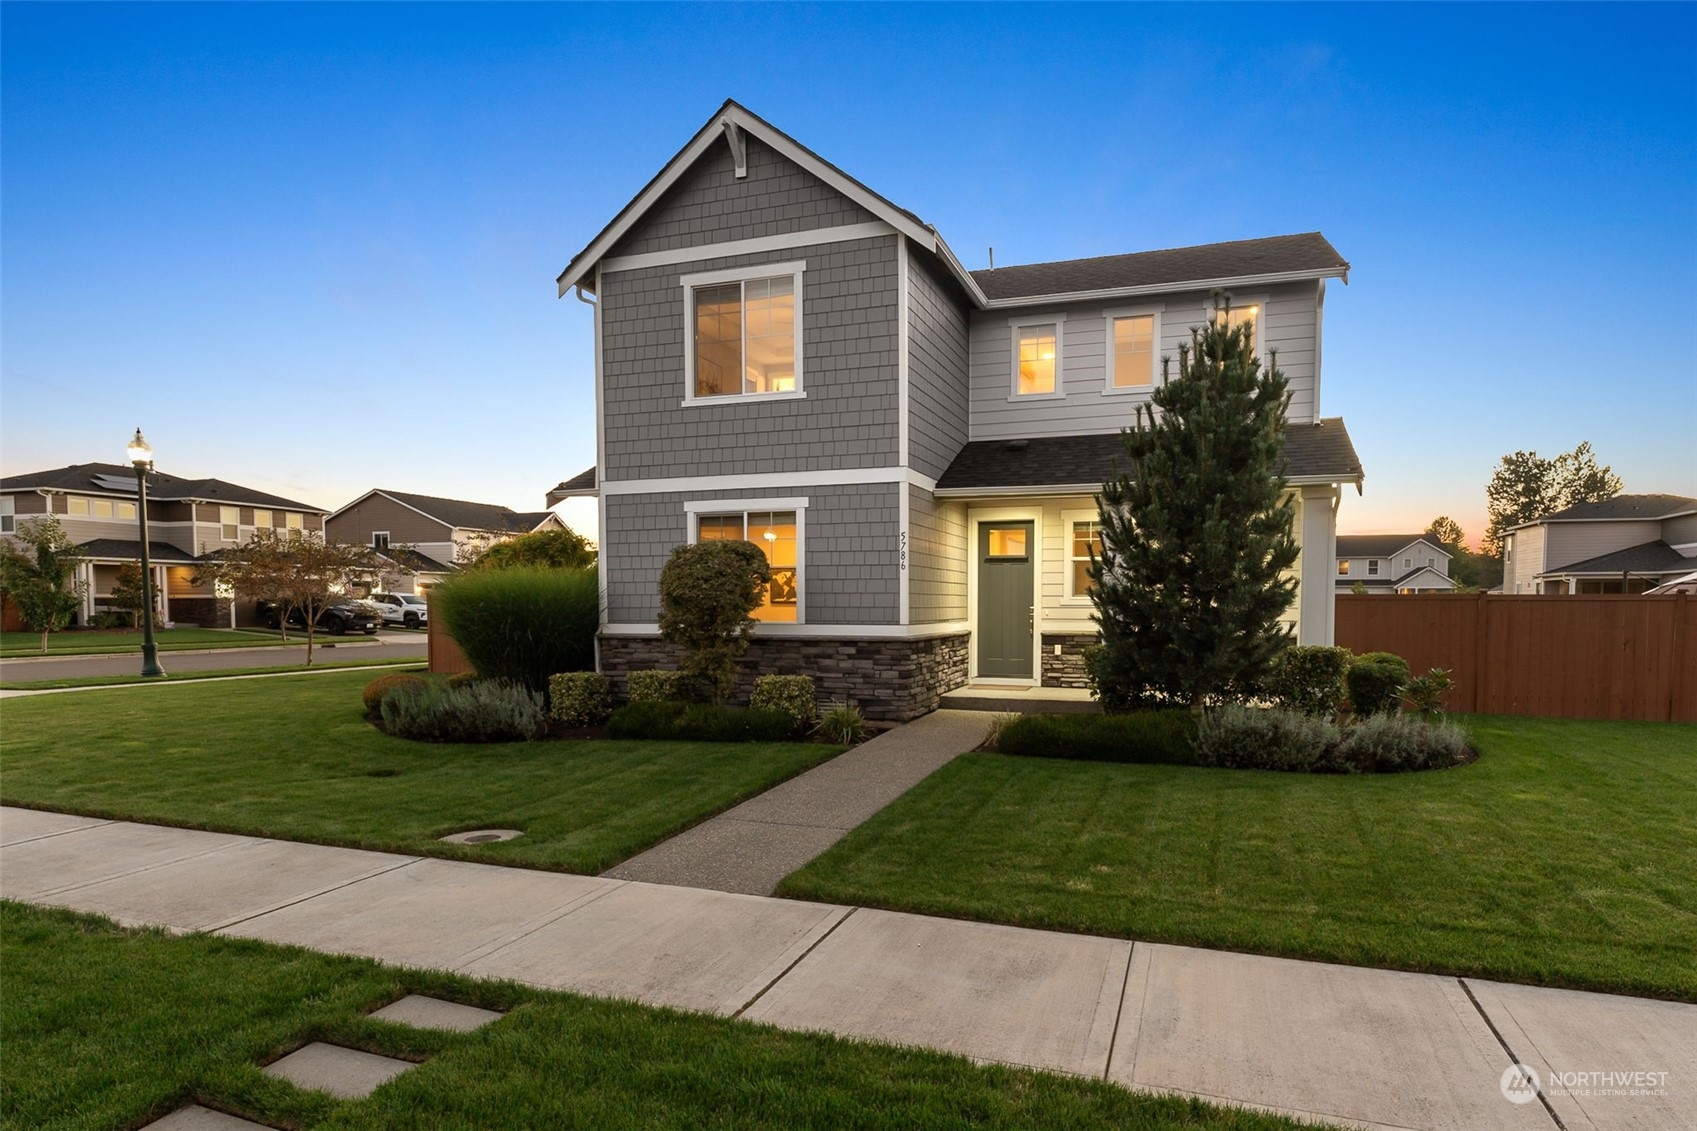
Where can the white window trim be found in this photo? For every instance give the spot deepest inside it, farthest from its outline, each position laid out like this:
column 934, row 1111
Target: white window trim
column 1373, row 567
column 1067, row 560
column 8, row 514
column 739, row 275
column 386, row 540
column 1014, row 324
column 1153, row 310
column 1259, row 301
column 695, row 508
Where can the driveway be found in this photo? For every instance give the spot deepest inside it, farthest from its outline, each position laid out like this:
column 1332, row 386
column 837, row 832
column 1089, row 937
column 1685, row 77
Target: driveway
column 386, row 645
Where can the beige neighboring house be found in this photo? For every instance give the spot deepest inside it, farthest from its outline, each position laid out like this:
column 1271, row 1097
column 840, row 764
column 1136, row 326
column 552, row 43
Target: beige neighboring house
column 430, row 536
column 1392, row 563
column 1627, row 544
column 187, row 519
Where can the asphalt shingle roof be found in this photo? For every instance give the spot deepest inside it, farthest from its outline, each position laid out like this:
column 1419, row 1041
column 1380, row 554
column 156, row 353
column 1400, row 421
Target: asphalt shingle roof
column 1647, row 557
column 580, row 484
column 1376, row 545
column 1272, row 255
column 1625, row 507
column 1311, row 450
column 160, row 486
column 158, row 553
column 472, row 516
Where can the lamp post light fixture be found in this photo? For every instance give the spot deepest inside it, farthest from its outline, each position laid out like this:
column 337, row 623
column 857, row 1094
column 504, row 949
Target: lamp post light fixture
column 141, row 458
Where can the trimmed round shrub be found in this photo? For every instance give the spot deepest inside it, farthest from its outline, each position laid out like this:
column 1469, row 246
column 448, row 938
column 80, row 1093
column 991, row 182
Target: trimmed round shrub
column 1399, row 743
column 1162, row 736
column 374, row 691
column 580, row 699
column 654, row 687
column 490, row 710
column 1256, row 738
column 1376, row 681
column 707, row 592
column 523, row 624
column 1309, row 678
column 698, row 722
column 791, row 694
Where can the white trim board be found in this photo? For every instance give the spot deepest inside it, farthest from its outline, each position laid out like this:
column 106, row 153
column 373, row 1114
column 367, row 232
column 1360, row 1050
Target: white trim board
column 774, row 480
column 821, row 631
column 757, row 245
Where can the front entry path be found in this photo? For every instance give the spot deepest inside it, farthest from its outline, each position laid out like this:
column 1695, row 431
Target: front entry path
column 1374, row 1048
column 750, row 848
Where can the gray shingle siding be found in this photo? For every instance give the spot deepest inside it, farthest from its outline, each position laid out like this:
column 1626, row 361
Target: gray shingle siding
column 848, row 419
column 938, row 368
column 850, row 558
column 709, row 205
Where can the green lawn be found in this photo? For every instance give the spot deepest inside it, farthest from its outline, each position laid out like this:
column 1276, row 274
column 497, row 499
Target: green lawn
column 294, row 758
column 401, row 662
column 93, row 641
column 105, row 1027
column 1566, row 856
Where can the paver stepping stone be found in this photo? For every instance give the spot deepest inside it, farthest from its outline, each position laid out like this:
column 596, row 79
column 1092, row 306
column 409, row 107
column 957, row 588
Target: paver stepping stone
column 423, row 1012
column 18, row 825
column 348, row 1074
column 435, row 913
column 1320, row 1041
column 37, row 868
column 996, row 993
column 197, row 1118
column 680, row 947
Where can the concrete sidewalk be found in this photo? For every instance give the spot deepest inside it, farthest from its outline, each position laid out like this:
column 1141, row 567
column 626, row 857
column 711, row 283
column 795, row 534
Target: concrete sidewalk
column 750, row 848
column 1374, row 1048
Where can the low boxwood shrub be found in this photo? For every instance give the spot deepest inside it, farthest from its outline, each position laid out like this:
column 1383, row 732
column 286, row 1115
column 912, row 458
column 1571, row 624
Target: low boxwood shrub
column 374, row 691
column 1309, row 678
column 1162, row 736
column 842, row 725
column 1257, row 738
column 654, row 687
column 699, row 722
column 792, row 694
column 1398, row 743
column 490, row 710
column 522, row 624
column 1376, row 681
column 580, row 699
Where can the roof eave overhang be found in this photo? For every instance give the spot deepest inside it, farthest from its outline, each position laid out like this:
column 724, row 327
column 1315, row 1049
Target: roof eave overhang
column 557, row 496
column 1269, row 279
column 583, row 263
column 1616, row 518
column 1027, row 492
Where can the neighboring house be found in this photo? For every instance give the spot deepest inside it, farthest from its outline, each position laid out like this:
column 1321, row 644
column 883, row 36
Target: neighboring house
column 1626, row 544
column 186, row 519
column 1392, row 563
column 430, row 536
column 784, row 355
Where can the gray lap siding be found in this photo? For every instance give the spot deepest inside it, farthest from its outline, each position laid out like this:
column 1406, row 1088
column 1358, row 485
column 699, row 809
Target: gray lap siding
column 850, row 563
column 848, row 418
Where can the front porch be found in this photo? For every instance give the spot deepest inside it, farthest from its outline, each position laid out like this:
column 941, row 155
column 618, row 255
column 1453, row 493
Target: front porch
column 1029, row 698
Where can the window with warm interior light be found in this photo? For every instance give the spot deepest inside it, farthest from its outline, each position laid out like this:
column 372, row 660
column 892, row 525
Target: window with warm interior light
column 777, row 535
column 229, row 523
column 1343, row 567
column 1238, row 315
column 1008, row 541
column 1036, row 358
column 744, row 334
column 293, row 522
column 262, row 519
column 1086, row 539
column 1131, row 356
column 127, row 510
column 76, row 504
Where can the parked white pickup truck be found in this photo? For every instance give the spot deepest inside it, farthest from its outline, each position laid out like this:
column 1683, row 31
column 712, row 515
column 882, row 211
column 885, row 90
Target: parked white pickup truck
column 405, row 609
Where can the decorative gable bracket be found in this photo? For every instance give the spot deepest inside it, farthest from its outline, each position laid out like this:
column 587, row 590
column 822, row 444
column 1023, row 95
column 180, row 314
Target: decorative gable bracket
column 739, row 148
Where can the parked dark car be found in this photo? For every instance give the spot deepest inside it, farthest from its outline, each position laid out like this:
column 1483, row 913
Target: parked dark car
column 337, row 620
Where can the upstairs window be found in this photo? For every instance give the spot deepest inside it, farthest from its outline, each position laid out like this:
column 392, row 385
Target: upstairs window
column 8, row 514
column 1343, row 567
column 778, row 534
column 229, row 524
column 379, row 539
column 127, row 510
column 292, row 522
column 262, row 519
column 1037, row 355
column 1373, row 568
column 745, row 333
column 1241, row 312
column 76, row 505
column 1132, row 337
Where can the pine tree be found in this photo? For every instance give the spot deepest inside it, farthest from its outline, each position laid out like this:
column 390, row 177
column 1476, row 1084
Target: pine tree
column 1196, row 532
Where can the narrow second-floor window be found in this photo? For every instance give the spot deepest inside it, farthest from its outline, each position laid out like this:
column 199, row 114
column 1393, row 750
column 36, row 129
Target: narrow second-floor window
column 8, row 515
column 1131, row 356
column 1036, row 359
column 229, row 524
column 1373, row 568
column 1086, row 538
column 1343, row 568
column 745, row 333
column 293, row 523
column 380, row 540
column 1249, row 314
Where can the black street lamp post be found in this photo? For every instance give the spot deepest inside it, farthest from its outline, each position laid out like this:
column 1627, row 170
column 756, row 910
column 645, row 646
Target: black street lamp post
column 141, row 457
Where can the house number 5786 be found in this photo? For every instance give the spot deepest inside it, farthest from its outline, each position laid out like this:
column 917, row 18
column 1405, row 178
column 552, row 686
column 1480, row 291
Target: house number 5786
column 904, row 551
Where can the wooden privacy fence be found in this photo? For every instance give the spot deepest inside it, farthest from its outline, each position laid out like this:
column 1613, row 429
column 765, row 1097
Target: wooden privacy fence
column 445, row 655
column 1602, row 657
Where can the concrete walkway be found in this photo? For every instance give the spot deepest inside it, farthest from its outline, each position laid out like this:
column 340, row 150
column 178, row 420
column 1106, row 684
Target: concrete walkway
column 750, row 848
column 1373, row 1048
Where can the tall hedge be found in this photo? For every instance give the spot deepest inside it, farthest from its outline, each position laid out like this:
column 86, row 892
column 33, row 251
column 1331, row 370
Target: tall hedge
column 523, row 624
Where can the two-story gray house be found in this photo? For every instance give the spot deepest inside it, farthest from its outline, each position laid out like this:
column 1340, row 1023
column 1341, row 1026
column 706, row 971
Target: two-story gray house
column 783, row 355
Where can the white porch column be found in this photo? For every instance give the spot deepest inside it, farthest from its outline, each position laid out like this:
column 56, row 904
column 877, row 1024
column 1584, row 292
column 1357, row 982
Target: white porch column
column 162, row 593
column 1319, row 536
column 85, row 575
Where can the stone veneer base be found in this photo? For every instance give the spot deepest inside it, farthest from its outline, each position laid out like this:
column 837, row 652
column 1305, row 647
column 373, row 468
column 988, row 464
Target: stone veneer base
column 1066, row 669
column 895, row 679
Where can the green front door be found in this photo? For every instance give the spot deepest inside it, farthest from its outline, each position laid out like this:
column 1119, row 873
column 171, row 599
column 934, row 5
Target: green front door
column 1006, row 561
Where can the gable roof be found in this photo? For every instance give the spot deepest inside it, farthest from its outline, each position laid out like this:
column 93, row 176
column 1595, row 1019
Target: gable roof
column 1622, row 508
column 158, row 553
column 411, row 561
column 460, row 513
column 119, row 479
column 1647, row 557
column 1380, row 545
column 1314, row 453
column 579, row 485
column 1305, row 255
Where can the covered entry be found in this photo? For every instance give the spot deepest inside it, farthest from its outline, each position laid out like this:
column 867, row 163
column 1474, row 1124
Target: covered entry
column 1006, row 571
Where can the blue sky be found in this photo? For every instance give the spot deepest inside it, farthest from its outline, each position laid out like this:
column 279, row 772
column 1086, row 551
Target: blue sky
column 312, row 248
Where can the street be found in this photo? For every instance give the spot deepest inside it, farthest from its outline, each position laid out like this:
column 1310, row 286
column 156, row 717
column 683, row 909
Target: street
column 386, row 645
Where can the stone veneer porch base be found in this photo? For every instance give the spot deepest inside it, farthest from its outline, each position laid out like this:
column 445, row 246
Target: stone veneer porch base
column 887, row 679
